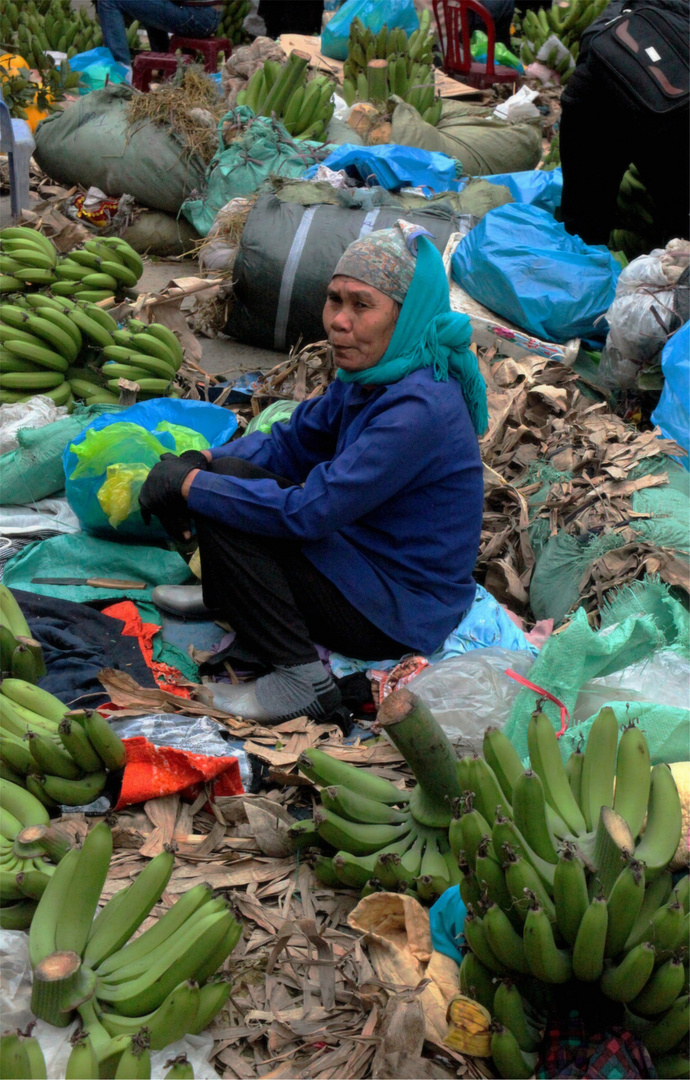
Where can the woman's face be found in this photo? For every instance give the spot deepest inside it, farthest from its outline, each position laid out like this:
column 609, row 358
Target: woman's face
column 359, row 321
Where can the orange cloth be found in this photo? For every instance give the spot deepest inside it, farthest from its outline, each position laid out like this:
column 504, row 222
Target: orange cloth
column 165, row 676
column 153, row 771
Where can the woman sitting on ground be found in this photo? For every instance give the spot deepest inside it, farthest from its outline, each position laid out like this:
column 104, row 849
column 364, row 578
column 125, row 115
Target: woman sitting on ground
column 356, row 525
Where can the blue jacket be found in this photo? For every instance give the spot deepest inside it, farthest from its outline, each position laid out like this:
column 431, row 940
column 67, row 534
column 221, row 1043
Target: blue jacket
column 387, row 501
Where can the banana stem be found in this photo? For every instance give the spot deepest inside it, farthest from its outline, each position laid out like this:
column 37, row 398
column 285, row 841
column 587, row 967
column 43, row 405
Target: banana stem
column 411, row 726
column 377, row 80
column 612, row 841
column 55, row 980
column 38, row 840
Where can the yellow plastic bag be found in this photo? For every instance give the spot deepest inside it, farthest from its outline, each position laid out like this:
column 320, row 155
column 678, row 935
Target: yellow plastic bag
column 118, row 495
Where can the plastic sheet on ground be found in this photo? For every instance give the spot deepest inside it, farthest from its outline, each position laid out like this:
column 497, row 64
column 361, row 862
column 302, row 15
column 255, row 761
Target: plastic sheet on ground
column 15, row 998
column 537, row 187
column 394, row 167
column 672, row 414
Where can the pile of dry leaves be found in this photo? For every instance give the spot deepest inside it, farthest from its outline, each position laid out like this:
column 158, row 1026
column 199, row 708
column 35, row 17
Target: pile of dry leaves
column 538, row 413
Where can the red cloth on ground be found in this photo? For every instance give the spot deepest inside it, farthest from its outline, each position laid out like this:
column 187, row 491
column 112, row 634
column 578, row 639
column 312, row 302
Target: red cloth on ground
column 165, row 676
column 154, row 771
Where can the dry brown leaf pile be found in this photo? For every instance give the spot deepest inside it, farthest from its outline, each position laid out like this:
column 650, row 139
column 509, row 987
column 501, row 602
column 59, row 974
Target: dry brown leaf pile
column 538, row 413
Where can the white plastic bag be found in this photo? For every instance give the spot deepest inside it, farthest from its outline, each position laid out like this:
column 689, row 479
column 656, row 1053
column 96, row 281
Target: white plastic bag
column 642, row 313
column 468, row 693
column 37, row 412
column 518, row 107
column 661, row 679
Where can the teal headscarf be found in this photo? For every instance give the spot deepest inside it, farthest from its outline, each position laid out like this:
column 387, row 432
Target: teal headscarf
column 429, row 334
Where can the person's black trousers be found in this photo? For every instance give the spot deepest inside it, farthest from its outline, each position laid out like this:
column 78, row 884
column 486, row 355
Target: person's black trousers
column 601, row 134
column 277, row 602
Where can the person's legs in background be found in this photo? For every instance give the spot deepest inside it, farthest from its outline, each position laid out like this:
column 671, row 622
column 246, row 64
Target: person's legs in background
column 159, row 17
column 501, row 11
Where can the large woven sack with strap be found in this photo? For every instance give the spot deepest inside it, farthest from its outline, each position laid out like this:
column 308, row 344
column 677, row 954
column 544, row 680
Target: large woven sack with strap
column 287, row 256
column 93, row 144
column 470, row 133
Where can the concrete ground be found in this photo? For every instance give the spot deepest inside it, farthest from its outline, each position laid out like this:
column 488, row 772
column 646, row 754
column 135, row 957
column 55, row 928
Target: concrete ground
column 219, row 355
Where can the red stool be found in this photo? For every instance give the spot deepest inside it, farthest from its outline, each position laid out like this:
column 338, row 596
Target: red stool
column 455, row 31
column 147, row 63
column 208, row 47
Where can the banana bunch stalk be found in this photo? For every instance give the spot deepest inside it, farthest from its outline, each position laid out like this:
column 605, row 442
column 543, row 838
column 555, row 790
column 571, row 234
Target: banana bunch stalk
column 566, row 23
column 137, row 995
column 29, row 851
column 20, row 654
column 232, row 19
column 282, row 90
column 565, row 882
column 60, row 757
column 389, row 62
column 385, row 838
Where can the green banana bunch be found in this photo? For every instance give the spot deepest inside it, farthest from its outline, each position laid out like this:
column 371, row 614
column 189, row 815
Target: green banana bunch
column 283, row 90
column 60, row 757
column 161, row 982
column 27, row 259
column 408, row 74
column 567, row 23
column 29, row 851
column 21, row 1057
column 562, row 867
column 232, row 17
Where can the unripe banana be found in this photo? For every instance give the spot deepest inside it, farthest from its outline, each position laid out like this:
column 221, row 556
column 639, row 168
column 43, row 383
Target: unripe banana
column 82, row 1063
column 661, row 990
column 569, row 893
column 506, row 944
column 599, row 766
column 511, row 1062
column 34, row 698
column 669, row 1031
column 509, row 1009
column 104, row 740
column 626, row 980
column 326, row 770
column 476, row 938
column 502, row 756
column 529, row 814
column 476, row 981
column 52, row 759
column 50, row 906
column 135, row 1062
column 545, row 758
column 588, row 951
column 664, row 824
column 164, row 334
column 354, row 837
column 77, row 745
column 181, row 1069
column 113, row 370
column 73, row 792
column 27, row 235
column 547, row 962
column 341, row 800
column 23, row 806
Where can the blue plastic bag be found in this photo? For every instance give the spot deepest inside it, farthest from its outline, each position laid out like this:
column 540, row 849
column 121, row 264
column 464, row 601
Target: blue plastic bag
column 446, row 922
column 393, row 167
column 521, row 263
column 536, row 187
column 98, row 67
column 374, row 14
column 672, row 414
column 153, row 418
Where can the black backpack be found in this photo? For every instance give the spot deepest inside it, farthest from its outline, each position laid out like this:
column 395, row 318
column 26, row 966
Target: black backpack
column 644, row 50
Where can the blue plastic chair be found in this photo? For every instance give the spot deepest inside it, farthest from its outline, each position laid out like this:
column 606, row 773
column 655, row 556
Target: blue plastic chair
column 17, row 141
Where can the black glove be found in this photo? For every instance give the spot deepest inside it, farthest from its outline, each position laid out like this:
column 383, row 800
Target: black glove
column 161, row 492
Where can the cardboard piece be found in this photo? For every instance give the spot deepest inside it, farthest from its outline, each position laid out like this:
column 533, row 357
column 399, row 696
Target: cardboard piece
column 445, row 86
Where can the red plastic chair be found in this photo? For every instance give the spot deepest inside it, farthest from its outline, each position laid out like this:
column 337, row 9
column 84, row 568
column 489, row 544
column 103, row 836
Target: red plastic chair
column 149, row 64
column 453, row 27
column 208, row 47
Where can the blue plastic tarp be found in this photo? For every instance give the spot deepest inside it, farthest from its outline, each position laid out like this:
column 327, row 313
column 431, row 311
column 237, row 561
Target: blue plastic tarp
column 98, row 67
column 521, row 263
column 672, row 414
column 393, row 167
column 374, row 14
column 537, row 187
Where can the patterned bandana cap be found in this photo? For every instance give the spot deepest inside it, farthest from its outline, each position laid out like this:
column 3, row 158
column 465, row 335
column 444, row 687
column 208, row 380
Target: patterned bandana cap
column 385, row 259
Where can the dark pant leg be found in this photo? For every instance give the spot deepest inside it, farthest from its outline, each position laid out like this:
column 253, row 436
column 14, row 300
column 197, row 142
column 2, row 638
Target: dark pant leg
column 274, row 598
column 661, row 152
column 595, row 152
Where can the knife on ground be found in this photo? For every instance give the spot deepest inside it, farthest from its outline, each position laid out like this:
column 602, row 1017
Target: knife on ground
column 94, row 582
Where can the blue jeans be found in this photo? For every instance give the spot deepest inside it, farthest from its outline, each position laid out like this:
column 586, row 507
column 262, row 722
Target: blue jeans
column 159, row 17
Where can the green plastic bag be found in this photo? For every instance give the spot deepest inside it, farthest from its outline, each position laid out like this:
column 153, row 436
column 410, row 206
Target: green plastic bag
column 277, row 413
column 263, row 149
column 479, row 48
column 184, row 437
